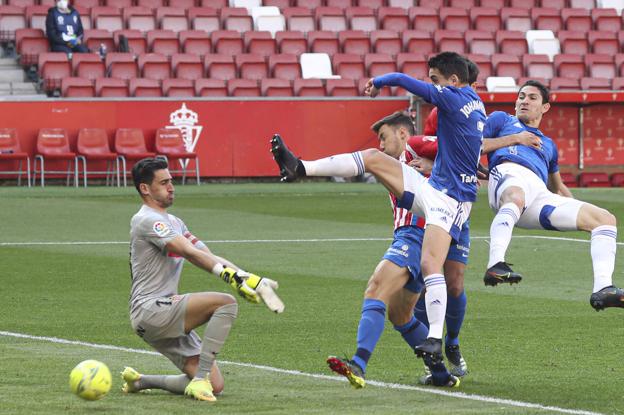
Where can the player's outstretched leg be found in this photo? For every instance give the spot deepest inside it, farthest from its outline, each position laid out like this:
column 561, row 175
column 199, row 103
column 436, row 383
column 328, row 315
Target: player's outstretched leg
column 500, row 273
column 349, row 369
column 290, row 167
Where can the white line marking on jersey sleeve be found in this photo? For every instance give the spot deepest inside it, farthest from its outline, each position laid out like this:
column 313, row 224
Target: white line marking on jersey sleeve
column 386, row 385
column 262, row 241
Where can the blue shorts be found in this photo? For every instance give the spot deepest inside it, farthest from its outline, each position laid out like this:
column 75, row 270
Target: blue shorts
column 406, row 249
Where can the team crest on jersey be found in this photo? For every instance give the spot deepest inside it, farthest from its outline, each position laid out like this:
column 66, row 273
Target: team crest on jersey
column 60, row 19
column 160, row 228
column 405, row 247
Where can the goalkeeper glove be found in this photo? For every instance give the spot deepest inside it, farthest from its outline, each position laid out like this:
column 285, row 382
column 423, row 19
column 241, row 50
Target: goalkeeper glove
column 239, row 284
column 265, row 288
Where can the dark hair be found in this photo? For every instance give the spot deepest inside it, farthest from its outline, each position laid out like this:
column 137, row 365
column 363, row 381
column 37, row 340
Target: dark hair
column 473, row 71
column 143, row 171
column 396, row 119
column 450, row 63
column 542, row 89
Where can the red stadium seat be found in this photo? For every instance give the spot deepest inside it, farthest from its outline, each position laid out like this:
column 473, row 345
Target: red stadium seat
column 210, row 88
column 137, row 44
column 310, row 4
column 187, row 66
column 600, row 66
column 170, row 18
column 418, row 41
column 413, row 64
column 386, row 41
column 169, row 142
column 527, row 4
column 330, row 18
column 86, row 3
column 236, row 18
column 349, row 66
column 538, row 66
column 454, row 18
column 512, row 42
column 393, row 18
column 618, row 84
column 111, row 87
column 515, row 18
column 277, row 3
column 562, row 84
column 543, row 81
column 594, row 180
column 196, row 42
column 484, row 62
column 554, row 4
column 481, row 42
column 343, row 4
column 617, row 180
column 92, row 145
column 142, row 87
column 361, row 18
column 30, row 44
column 164, row 42
column 354, row 42
column 586, row 4
column 182, row 4
column 604, row 42
column 175, row 87
column 603, row 84
column 217, row 4
column 342, row 88
column 577, row 19
column 154, row 66
column 291, row 42
column 486, row 18
column 88, row 65
column 122, row 66
column 299, row 19
column 261, row 43
column 251, row 66
column 53, row 66
column 285, row 66
column 204, row 18
column 464, row 4
column 36, row 16
column 93, row 38
column 271, row 87
column 569, row 66
column 120, row 4
column 379, row 64
column 619, row 63
column 139, row 18
column 243, row 88
column 130, row 142
column 11, row 152
column 108, row 18
column 53, row 145
column 220, row 66
column 227, row 41
column 574, row 42
column 323, row 42
column 308, row 88
column 569, row 179
column 373, row 4
column 606, row 19
column 547, row 19
column 12, row 18
column 507, row 65
column 495, row 4
column 151, row 4
column 450, row 41
column 425, row 18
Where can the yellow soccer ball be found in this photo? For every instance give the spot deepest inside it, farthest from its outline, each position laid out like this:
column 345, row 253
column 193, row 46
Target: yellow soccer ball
column 91, row 380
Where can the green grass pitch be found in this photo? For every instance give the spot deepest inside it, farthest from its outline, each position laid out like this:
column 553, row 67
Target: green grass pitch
column 538, row 343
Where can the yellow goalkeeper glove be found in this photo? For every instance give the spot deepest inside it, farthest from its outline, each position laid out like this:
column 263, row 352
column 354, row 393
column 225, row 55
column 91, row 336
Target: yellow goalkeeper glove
column 240, row 285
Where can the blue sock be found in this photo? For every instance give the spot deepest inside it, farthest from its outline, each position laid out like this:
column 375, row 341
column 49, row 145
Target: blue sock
column 369, row 331
column 455, row 312
column 420, row 311
column 414, row 332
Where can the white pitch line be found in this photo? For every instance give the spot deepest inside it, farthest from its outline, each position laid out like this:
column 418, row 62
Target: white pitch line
column 254, row 241
column 386, row 385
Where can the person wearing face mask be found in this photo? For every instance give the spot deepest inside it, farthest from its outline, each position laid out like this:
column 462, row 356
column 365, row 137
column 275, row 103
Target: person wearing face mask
column 64, row 29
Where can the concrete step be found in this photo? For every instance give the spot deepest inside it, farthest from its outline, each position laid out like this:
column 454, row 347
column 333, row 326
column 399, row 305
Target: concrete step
column 23, row 88
column 12, row 75
column 9, row 63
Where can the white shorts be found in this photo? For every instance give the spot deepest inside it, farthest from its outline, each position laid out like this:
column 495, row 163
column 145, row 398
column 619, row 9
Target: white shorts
column 542, row 208
column 435, row 206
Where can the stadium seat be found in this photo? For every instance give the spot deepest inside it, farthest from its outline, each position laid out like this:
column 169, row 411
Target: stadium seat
column 454, row 18
column 86, row 3
column 373, row 4
column 130, row 146
column 602, row 84
column 450, row 41
column 507, row 66
column 354, row 42
column 308, row 88
column 137, row 44
column 120, row 4
column 12, row 18
column 418, row 41
column 594, row 180
column 171, row 18
column 187, row 66
column 169, row 143
column 543, row 81
column 323, row 42
column 464, row 4
column 284, row 66
column 164, row 42
column 11, row 152
column 543, row 42
column 299, row 19
column 111, row 87
column 260, row 43
column 349, row 66
column 277, row 3
column 53, row 66
column 36, row 16
column 53, row 146
column 142, row 87
column 386, row 41
column 577, row 19
column 515, row 18
column 121, row 66
column 229, row 42
column 316, row 65
column 88, row 66
column 220, row 66
column 176, row 87
column 291, row 42
column 606, row 19
column 152, row 4
column 547, row 19
column 310, row 4
column 619, row 64
column 30, row 45
column 251, row 66
column 92, row 145
column 538, row 66
column 210, row 88
column 108, row 18
column 236, row 19
column 93, row 38
column 139, row 18
column 618, row 84
column 604, row 42
column 361, row 18
column 527, row 4
column 217, row 4
column 486, row 18
column 585, row 4
column 413, row 64
column 393, row 18
column 484, row 62
column 341, row 88
column 569, row 66
column 196, row 42
column 563, row 84
column 481, row 42
column 554, row 4
column 343, row 4
column 501, row 84
column 271, row 23
column 204, row 18
column 271, row 87
column 569, row 179
column 154, row 66
column 600, row 66
column 574, row 42
column 425, row 19
column 512, row 42
column 330, row 18
column 617, row 180
column 243, row 88
column 405, row 4
column 379, row 63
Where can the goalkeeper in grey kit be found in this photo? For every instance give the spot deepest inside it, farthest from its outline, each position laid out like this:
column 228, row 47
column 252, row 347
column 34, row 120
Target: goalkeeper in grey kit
column 159, row 244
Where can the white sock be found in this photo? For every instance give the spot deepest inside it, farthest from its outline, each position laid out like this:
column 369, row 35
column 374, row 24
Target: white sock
column 435, row 301
column 342, row 165
column 500, row 232
column 603, row 245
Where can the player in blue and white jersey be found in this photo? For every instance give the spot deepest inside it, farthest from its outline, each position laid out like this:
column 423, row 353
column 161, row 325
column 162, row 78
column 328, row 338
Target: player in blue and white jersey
column 526, row 190
column 445, row 199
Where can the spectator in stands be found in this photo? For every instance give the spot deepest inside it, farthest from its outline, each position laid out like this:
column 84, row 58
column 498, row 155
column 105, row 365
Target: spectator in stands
column 64, row 29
